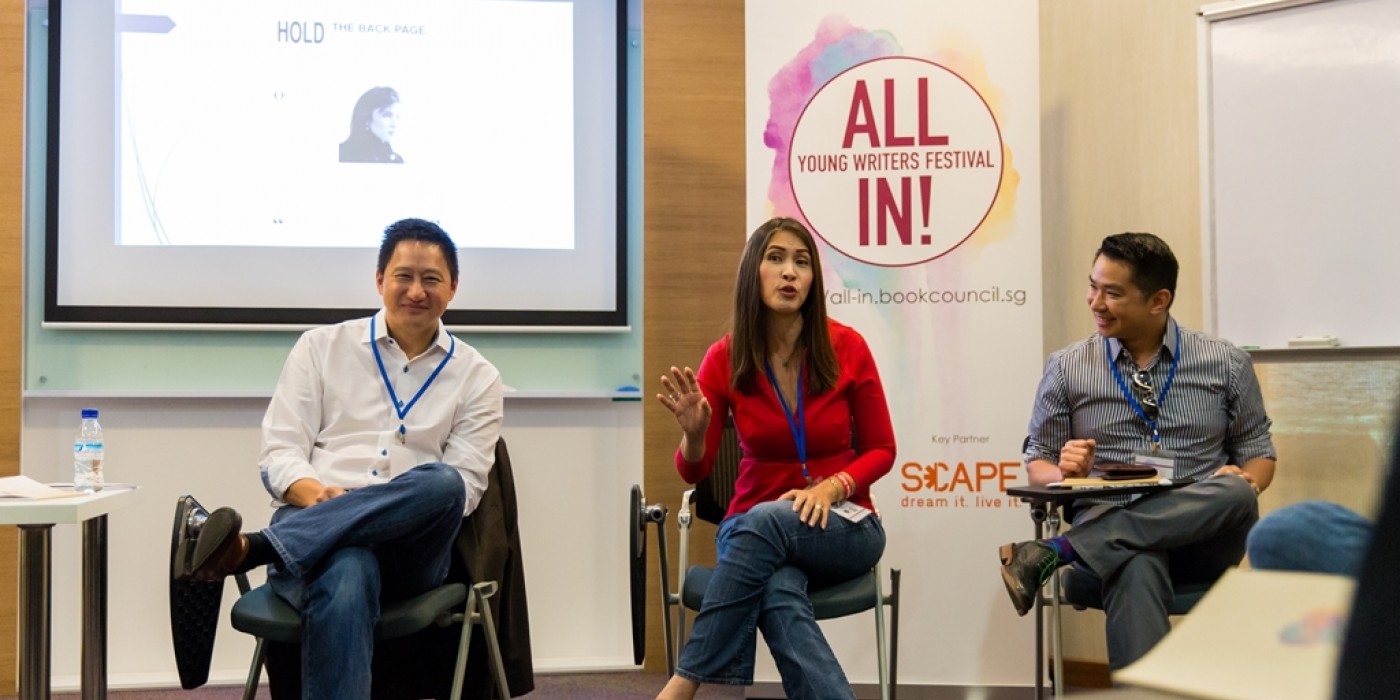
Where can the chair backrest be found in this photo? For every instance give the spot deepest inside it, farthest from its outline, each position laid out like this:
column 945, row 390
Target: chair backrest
column 713, row 493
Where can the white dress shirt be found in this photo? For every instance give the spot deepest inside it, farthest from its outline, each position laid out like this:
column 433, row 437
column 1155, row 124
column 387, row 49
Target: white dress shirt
column 332, row 418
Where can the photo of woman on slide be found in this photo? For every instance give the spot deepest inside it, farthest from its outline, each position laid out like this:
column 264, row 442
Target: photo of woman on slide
column 372, row 124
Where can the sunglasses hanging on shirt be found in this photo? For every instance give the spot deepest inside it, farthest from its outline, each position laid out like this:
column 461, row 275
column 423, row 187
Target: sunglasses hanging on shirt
column 1146, row 393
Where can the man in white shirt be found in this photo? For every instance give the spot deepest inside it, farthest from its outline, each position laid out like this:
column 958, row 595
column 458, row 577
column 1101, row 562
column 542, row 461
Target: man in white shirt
column 379, row 438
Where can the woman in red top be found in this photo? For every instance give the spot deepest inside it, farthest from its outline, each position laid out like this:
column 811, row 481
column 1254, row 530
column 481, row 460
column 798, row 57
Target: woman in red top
column 815, row 433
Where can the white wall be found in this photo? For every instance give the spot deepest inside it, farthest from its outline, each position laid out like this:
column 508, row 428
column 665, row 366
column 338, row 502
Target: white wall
column 574, row 461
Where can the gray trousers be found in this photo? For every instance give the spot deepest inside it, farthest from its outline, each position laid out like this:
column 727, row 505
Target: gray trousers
column 1137, row 551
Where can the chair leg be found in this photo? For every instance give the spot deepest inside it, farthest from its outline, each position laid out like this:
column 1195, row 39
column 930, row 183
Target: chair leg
column 250, row 687
column 894, row 633
column 663, row 559
column 674, row 638
column 492, row 645
column 463, row 645
column 881, row 651
column 1057, row 653
column 1039, row 512
column 478, row 611
column 680, row 633
column 1057, row 662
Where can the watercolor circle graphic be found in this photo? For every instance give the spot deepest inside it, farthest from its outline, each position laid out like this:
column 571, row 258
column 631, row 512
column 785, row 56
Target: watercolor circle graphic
column 896, row 161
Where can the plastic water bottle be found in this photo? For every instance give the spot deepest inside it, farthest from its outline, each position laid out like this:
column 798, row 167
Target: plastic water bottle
column 88, row 454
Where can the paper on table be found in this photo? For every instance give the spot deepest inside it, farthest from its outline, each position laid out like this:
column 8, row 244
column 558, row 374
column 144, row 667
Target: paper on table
column 24, row 487
column 1257, row 635
column 1094, row 482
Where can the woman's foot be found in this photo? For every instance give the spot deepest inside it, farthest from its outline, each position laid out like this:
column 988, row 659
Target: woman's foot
column 678, row 688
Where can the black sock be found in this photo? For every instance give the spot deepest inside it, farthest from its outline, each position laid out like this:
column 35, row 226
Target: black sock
column 260, row 552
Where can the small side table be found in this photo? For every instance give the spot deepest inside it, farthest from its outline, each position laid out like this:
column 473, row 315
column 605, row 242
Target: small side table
column 36, row 518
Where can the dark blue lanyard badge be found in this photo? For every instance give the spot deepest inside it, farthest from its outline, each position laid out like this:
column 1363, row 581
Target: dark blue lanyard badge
column 1155, row 403
column 795, row 421
column 400, row 408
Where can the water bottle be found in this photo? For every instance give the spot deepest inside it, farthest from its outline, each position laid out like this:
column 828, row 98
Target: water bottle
column 88, row 454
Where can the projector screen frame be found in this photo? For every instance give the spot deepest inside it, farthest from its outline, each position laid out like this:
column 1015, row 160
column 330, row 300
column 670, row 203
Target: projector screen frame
column 234, row 318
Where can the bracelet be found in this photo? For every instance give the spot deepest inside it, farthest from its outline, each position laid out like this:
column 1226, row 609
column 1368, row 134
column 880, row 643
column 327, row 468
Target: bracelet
column 847, row 483
column 840, row 487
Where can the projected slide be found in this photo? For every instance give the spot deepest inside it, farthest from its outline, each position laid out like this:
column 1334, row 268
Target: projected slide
column 313, row 124
column 249, row 155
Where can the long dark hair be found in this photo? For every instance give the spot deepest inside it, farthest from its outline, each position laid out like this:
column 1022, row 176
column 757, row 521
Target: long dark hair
column 748, row 344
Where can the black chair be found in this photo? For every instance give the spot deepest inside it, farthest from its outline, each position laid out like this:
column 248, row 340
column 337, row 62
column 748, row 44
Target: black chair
column 262, row 613
column 710, row 500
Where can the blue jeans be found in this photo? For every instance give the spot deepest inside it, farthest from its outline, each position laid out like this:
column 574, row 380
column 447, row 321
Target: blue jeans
column 342, row 557
column 766, row 558
column 1314, row 536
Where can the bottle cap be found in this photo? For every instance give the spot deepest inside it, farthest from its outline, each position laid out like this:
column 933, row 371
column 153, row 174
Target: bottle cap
column 89, row 413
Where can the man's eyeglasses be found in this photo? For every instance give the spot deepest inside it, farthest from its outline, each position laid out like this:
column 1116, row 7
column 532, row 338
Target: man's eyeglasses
column 1147, row 395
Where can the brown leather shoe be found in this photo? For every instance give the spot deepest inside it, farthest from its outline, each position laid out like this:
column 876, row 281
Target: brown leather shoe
column 219, row 548
column 1025, row 567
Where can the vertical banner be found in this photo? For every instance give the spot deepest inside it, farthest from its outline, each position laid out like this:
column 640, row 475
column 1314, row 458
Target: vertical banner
column 906, row 135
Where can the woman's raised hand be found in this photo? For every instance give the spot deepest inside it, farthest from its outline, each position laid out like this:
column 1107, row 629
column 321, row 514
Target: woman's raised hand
column 683, row 398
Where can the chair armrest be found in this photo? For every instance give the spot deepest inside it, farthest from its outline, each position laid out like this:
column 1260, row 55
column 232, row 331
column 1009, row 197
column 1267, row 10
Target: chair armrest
column 683, row 521
column 683, row 517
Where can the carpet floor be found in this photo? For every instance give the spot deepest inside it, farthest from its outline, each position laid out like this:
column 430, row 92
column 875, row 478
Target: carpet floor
column 629, row 685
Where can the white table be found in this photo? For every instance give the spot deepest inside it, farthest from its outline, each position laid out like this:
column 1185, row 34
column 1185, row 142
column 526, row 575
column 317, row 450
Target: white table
column 36, row 519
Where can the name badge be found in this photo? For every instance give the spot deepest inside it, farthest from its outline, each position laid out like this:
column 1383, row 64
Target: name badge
column 851, row 511
column 1161, row 460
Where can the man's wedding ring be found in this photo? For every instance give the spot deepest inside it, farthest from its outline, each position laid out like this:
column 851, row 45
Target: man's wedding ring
column 673, row 398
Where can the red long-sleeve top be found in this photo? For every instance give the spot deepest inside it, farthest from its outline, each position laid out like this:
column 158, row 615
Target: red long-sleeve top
column 769, row 466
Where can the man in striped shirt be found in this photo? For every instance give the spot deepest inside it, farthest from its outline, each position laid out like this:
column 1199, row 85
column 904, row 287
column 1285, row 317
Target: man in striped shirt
column 1144, row 390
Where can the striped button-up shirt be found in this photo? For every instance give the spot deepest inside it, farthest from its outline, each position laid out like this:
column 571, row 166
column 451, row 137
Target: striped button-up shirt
column 1212, row 415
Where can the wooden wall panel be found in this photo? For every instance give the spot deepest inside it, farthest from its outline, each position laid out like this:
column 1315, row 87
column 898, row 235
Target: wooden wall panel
column 693, row 189
column 1118, row 153
column 12, row 21
column 1118, row 145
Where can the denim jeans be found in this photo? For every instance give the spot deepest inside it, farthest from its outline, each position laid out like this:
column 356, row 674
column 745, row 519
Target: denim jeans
column 766, row 558
column 341, row 558
column 1314, row 536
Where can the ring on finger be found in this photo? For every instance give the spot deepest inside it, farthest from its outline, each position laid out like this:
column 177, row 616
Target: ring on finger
column 674, row 397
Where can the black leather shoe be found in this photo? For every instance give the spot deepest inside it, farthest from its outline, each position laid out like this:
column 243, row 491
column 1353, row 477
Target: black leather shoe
column 190, row 517
column 1025, row 567
column 221, row 547
column 194, row 605
column 213, row 548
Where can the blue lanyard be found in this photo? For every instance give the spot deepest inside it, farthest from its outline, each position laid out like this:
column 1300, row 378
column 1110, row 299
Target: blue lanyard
column 402, row 410
column 795, row 422
column 1161, row 397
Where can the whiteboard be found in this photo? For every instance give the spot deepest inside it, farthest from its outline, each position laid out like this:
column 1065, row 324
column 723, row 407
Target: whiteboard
column 1300, row 134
